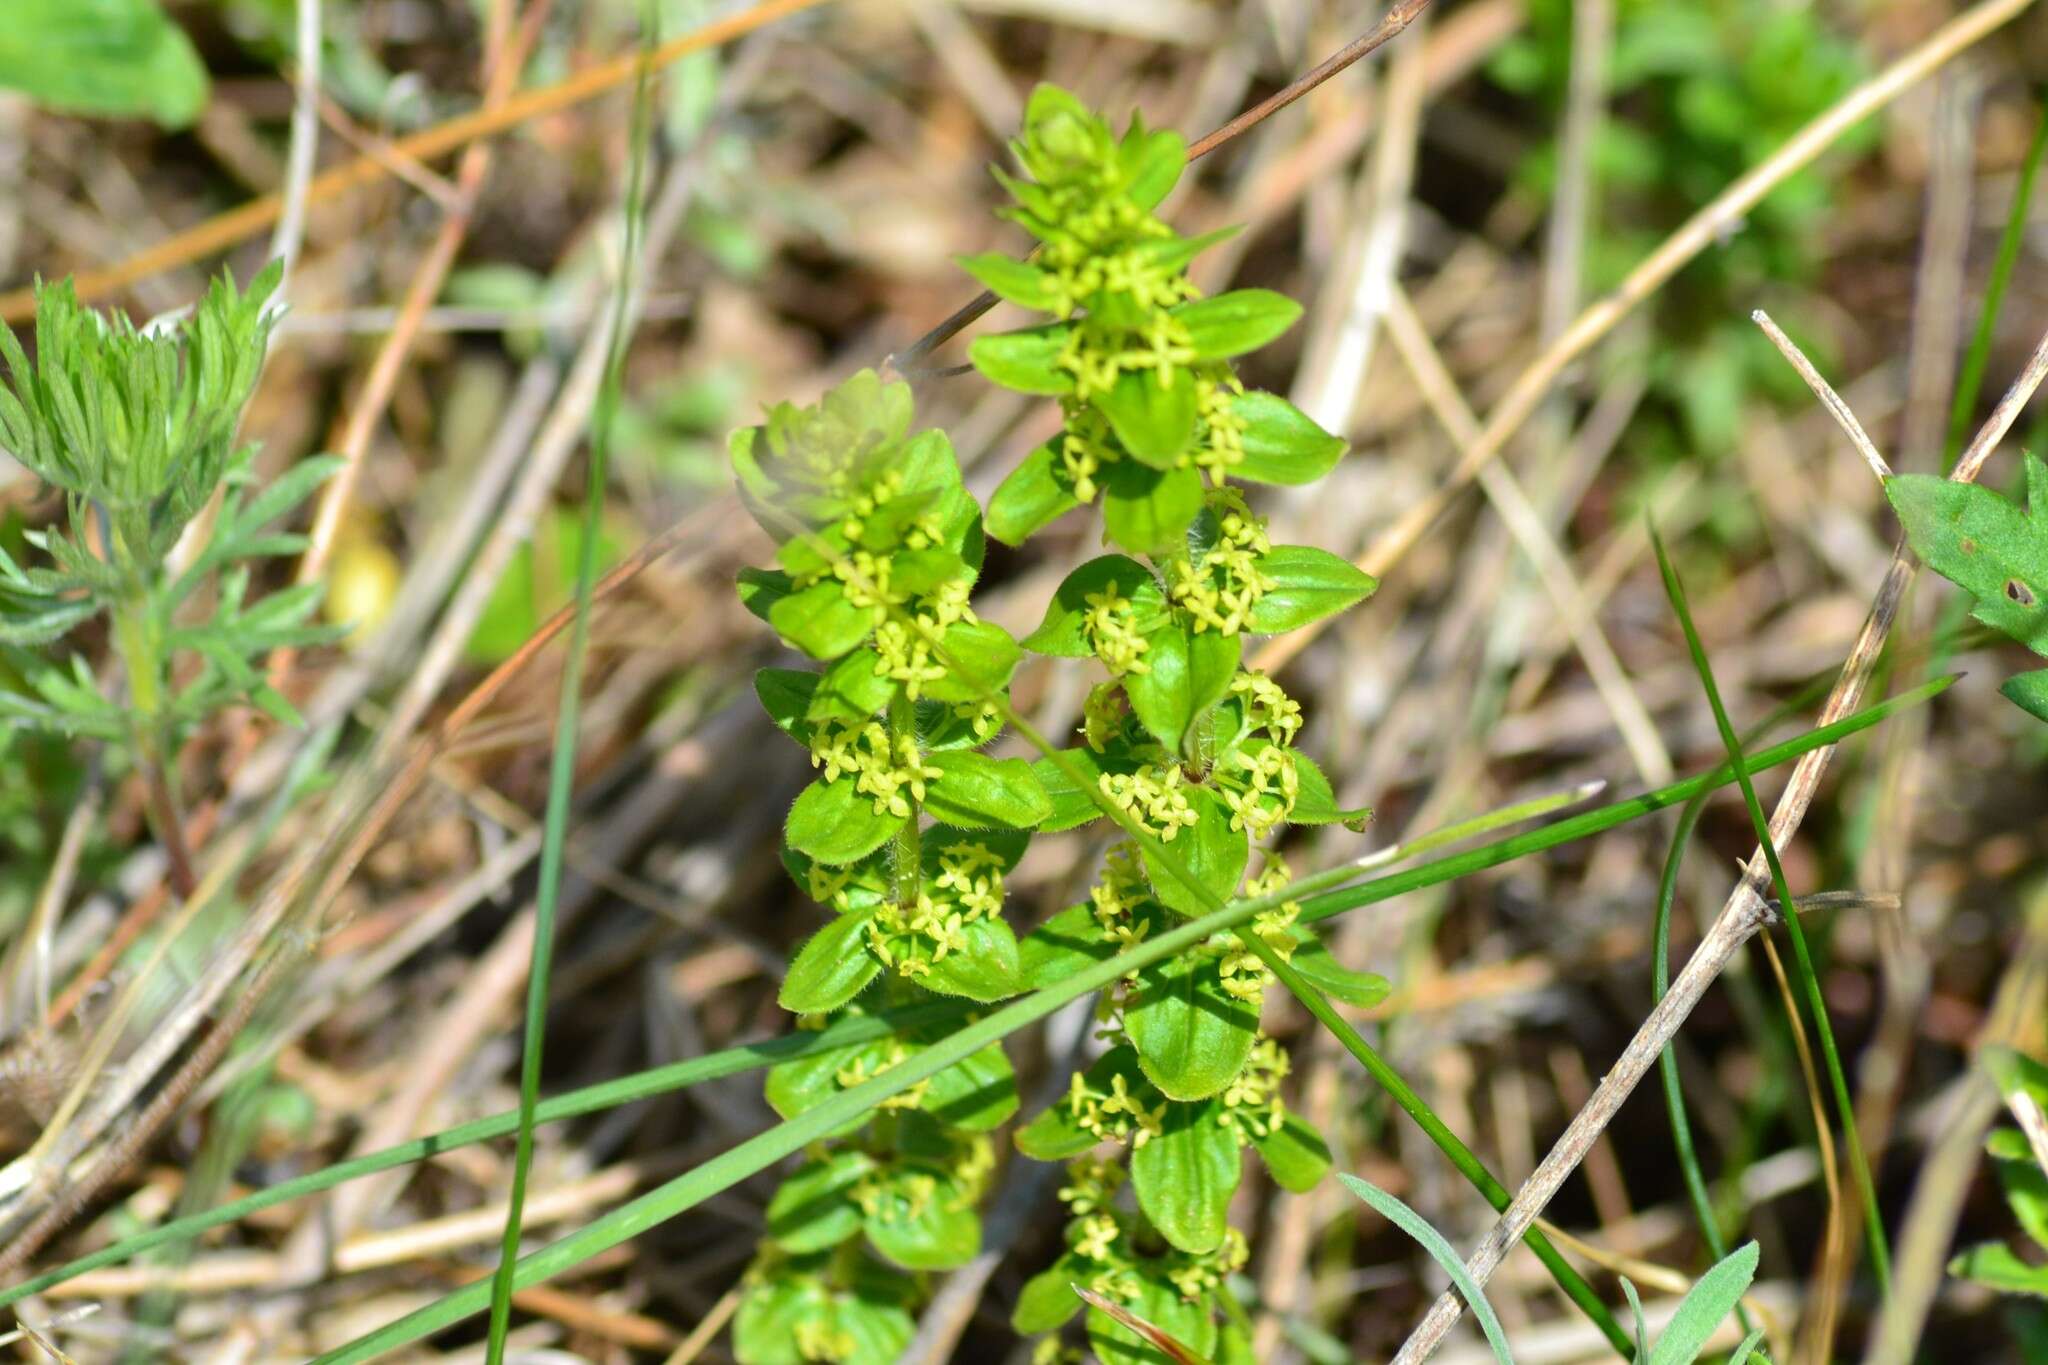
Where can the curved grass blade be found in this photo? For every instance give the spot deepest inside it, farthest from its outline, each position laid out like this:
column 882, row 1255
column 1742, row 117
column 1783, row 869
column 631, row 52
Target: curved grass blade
column 1321, row 896
column 1712, row 1297
column 1880, row 1256
column 1444, row 1254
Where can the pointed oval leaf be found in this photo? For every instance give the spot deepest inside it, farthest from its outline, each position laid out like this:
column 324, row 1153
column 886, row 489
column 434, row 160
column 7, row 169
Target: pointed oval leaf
column 1282, row 444
column 1030, row 497
column 832, row 967
column 835, row 824
column 975, row 791
column 1192, row 1036
column 1310, row 584
column 1185, row 1175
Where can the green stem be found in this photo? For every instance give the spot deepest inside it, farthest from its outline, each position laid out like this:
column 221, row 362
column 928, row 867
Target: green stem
column 137, row 642
column 1449, row 1143
column 906, row 856
column 1880, row 1256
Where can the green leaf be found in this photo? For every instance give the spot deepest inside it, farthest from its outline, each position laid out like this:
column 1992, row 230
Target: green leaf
column 1314, row 961
column 1187, row 673
column 1062, row 945
column 1031, row 496
column 1185, row 1175
column 1153, row 162
column 832, row 967
column 986, row 969
column 1315, row 802
column 1061, row 633
column 1712, row 1298
column 1295, row 1154
column 1072, row 806
column 1986, row 545
column 922, row 1220
column 814, row 1208
column 1192, row 1036
column 1160, row 1304
column 2014, row 1071
column 977, row 1094
column 785, row 694
column 1209, row 850
column 764, row 1331
column 1413, row 1223
column 1027, row 360
column 761, row 589
column 820, row 621
column 1156, row 423
column 1234, row 323
column 1052, row 1135
column 119, row 58
column 835, row 824
column 982, row 656
column 2028, row 691
column 875, row 1316
column 975, row 791
column 2026, row 1190
column 1997, row 1266
column 1047, row 1302
column 1310, row 584
column 850, row 690
column 1148, row 511
column 1282, row 444
column 1011, row 280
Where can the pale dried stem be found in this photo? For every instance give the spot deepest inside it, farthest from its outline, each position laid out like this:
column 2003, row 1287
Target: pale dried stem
column 1825, row 392
column 1745, row 911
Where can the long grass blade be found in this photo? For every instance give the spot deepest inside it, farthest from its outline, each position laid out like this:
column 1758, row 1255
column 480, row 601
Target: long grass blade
column 1321, row 895
column 1442, row 1252
column 1880, row 1256
column 562, row 772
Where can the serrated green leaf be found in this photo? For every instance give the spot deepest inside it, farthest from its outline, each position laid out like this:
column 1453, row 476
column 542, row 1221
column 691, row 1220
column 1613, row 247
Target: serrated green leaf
column 1310, row 584
column 1315, row 801
column 1026, row 360
column 1062, row 632
column 835, row 823
column 814, row 1208
column 832, row 967
column 1282, row 444
column 1986, row 545
column 1155, row 422
column 1030, row 497
column 1187, row 672
column 975, row 791
column 1234, row 323
column 1185, row 1175
column 1192, row 1036
column 1295, row 1154
column 1148, row 511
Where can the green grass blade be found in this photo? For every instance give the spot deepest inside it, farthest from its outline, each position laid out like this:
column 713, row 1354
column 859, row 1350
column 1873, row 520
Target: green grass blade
column 1880, row 1256
column 1321, row 895
column 1970, row 383
column 1445, row 1255
column 1485, row 823
column 1749, row 1344
column 562, row 771
column 612, row 1094
column 1448, row 1142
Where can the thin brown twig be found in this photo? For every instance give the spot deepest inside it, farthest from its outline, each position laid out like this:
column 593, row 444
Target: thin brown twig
column 1743, row 914
column 1825, row 392
column 1396, row 19
column 224, row 231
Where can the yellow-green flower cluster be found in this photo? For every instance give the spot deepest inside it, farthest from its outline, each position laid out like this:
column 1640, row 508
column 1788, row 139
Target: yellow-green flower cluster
column 1270, row 785
column 909, row 939
column 1110, row 627
column 1219, row 590
column 891, row 770
column 1241, row 971
column 1266, row 707
column 1252, row 1103
column 1154, row 797
column 1113, row 1115
column 1119, row 894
